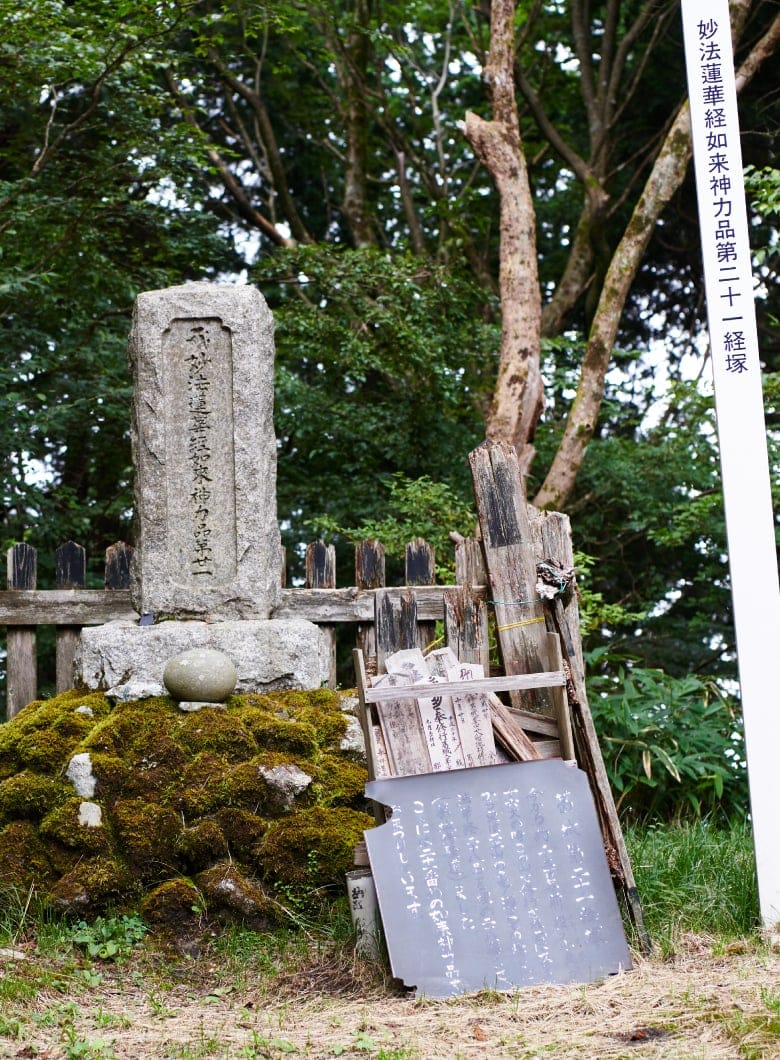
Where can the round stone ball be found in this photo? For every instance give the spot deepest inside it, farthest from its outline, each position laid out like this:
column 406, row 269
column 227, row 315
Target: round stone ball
column 200, row 674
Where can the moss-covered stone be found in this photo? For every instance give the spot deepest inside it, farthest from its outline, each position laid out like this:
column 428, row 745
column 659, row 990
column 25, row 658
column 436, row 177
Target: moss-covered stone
column 202, row 788
column 29, row 796
column 24, row 858
column 93, row 883
column 201, row 845
column 175, row 906
column 218, row 730
column 339, row 781
column 66, row 824
column 230, row 891
column 313, row 847
column 146, row 833
column 256, row 791
column 241, row 829
column 273, row 733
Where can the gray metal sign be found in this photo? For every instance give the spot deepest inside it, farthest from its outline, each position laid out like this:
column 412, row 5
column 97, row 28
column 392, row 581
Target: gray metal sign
column 494, row 877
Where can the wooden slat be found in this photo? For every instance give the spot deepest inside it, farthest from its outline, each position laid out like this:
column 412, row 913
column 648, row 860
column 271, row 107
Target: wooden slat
column 509, row 733
column 510, row 558
column 321, row 574
column 466, row 625
column 358, row 605
column 509, row 682
column 395, row 623
column 119, row 558
column 420, row 569
column 369, row 574
column 70, row 573
column 64, row 607
column 21, row 662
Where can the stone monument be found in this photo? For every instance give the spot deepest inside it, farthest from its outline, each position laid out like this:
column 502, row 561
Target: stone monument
column 207, row 563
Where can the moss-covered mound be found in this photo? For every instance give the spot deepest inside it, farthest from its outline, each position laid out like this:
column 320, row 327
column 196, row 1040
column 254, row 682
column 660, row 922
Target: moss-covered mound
column 228, row 810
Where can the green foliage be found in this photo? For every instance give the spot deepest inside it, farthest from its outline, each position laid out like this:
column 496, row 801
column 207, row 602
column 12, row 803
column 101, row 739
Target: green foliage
column 414, row 508
column 111, row 938
column 673, row 746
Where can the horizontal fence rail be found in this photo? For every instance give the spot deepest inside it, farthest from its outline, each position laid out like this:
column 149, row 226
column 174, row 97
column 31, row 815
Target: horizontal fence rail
column 407, row 614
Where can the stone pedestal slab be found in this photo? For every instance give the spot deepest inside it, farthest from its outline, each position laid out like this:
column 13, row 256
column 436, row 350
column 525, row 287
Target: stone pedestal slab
column 268, row 655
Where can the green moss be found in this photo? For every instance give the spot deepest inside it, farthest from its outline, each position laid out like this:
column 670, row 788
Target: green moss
column 339, row 782
column 146, row 833
column 230, row 891
column 112, row 775
column 174, row 906
column 202, row 788
column 311, row 848
column 93, row 883
column 241, row 828
column 217, row 730
column 201, row 845
column 24, row 860
column 273, row 733
column 28, row 796
column 62, row 824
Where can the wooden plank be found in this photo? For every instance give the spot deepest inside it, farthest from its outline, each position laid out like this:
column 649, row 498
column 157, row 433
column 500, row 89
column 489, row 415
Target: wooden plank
column 402, row 728
column 377, row 762
column 509, row 682
column 473, row 718
column 466, row 625
column 70, row 569
column 21, row 661
column 420, row 569
column 530, row 721
column 470, row 562
column 369, row 574
column 64, row 607
column 510, row 558
column 561, row 701
column 509, row 733
column 321, row 574
column 119, row 557
column 358, row 605
column 395, row 622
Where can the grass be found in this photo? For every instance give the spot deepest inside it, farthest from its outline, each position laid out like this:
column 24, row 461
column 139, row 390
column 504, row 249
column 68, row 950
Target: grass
column 234, row 993
column 695, row 878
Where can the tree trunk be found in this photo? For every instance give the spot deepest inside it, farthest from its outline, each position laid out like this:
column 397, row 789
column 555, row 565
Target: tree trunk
column 665, row 178
column 518, row 396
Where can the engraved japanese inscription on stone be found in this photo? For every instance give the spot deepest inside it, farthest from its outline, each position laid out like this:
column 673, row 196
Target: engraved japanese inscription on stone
column 200, row 467
column 494, row 877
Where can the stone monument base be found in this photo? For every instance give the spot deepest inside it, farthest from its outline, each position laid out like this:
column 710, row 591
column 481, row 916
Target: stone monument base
column 268, row 655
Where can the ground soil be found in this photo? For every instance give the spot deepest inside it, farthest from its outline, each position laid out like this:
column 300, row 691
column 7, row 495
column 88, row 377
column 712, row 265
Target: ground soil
column 705, row 1002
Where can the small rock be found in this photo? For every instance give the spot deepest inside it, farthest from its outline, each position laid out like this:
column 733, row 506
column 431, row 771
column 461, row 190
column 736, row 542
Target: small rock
column 191, row 705
column 90, row 815
column 79, row 773
column 200, row 675
column 84, row 709
column 131, row 691
column 286, row 781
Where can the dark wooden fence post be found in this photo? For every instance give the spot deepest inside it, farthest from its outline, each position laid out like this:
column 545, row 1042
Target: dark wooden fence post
column 118, row 559
column 369, row 574
column 70, row 573
column 21, row 667
column 420, row 569
column 321, row 574
column 395, row 623
column 465, row 611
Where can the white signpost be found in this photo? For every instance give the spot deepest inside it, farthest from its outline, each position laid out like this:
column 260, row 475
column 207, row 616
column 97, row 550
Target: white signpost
column 741, row 424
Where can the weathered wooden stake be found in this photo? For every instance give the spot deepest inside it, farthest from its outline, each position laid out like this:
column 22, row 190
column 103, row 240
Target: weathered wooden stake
column 70, row 573
column 321, row 574
column 420, row 569
column 369, row 574
column 22, row 677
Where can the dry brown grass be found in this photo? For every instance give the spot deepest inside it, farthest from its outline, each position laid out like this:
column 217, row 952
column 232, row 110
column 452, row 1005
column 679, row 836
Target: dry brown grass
column 699, row 1004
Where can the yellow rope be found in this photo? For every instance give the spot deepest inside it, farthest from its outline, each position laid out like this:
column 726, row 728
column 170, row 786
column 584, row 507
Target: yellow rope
column 433, row 644
column 517, row 625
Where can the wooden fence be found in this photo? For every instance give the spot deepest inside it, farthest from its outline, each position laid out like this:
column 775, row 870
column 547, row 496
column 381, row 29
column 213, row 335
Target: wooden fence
column 405, row 615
